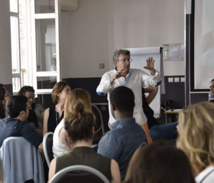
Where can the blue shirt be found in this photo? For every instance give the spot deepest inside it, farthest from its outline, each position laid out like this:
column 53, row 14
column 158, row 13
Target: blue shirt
column 121, row 142
column 10, row 127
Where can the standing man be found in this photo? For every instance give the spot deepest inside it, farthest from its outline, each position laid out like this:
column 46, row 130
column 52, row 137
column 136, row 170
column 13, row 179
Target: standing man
column 126, row 135
column 211, row 94
column 134, row 79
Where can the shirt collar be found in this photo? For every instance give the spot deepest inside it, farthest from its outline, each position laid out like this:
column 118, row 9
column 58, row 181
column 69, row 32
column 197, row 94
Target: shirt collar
column 122, row 122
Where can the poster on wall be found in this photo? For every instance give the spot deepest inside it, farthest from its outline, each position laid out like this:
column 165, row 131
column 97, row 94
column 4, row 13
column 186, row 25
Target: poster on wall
column 173, row 52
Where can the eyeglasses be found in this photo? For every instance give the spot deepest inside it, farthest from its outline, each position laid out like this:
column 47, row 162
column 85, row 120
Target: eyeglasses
column 125, row 60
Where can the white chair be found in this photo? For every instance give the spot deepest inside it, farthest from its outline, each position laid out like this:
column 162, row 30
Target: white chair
column 79, row 174
column 47, row 147
column 21, row 161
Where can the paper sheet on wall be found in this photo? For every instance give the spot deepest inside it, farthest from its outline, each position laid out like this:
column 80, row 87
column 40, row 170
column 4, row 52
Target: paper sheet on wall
column 139, row 56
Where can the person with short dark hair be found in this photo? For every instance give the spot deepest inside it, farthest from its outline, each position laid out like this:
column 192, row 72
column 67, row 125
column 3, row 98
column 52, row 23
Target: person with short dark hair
column 159, row 162
column 36, row 111
column 135, row 79
column 126, row 135
column 14, row 125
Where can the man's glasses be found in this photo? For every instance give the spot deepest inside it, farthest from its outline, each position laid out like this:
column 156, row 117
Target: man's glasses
column 211, row 86
column 125, row 60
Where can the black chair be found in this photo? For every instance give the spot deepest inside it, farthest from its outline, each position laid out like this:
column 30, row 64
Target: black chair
column 47, row 147
column 99, row 126
column 79, row 174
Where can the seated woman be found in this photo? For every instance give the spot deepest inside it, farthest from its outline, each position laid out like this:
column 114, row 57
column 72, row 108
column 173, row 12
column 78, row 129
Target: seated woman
column 4, row 96
column 79, row 126
column 59, row 144
column 196, row 139
column 159, row 162
column 54, row 114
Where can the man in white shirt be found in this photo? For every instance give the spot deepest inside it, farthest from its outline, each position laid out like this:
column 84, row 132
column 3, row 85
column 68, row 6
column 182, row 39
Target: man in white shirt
column 134, row 79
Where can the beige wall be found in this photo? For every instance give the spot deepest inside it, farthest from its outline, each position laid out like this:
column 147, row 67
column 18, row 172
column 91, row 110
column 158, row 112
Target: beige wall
column 92, row 32
column 5, row 49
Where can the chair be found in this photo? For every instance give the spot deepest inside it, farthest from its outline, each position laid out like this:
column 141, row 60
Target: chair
column 79, row 174
column 99, row 126
column 21, row 161
column 47, row 147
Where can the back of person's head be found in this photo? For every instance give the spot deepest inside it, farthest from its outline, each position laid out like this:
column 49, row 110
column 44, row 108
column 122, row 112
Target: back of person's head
column 58, row 87
column 196, row 134
column 2, row 92
column 79, row 125
column 122, row 98
column 159, row 162
column 15, row 105
column 73, row 97
column 117, row 53
column 25, row 89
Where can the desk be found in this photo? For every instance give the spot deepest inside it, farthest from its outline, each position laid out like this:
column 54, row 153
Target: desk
column 173, row 112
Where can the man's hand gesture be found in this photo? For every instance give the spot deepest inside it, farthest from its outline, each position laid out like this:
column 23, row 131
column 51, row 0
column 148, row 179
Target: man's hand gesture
column 150, row 62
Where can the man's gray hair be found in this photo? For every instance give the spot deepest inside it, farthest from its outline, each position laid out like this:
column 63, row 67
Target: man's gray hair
column 119, row 52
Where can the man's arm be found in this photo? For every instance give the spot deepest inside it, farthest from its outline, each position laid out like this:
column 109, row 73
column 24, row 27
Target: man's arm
column 154, row 78
column 152, row 92
column 147, row 132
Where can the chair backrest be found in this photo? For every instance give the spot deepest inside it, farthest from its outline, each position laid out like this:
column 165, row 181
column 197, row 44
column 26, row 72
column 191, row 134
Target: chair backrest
column 21, row 161
column 47, row 147
column 79, row 174
column 99, row 126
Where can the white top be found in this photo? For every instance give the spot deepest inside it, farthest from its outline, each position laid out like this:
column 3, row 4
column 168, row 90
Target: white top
column 59, row 148
column 135, row 80
column 206, row 176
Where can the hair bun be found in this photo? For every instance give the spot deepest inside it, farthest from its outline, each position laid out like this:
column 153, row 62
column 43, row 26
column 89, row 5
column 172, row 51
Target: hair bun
column 79, row 107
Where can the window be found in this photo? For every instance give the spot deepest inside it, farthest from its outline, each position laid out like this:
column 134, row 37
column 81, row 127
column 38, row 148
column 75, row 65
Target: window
column 35, row 44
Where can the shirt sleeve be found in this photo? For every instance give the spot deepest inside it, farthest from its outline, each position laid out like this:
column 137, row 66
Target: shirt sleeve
column 105, row 85
column 29, row 134
column 110, row 146
column 151, row 80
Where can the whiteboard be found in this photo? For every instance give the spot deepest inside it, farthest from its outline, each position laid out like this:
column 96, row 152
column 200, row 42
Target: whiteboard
column 139, row 56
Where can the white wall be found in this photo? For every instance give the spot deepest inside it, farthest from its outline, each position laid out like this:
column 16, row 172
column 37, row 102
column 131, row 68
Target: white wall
column 91, row 33
column 5, row 49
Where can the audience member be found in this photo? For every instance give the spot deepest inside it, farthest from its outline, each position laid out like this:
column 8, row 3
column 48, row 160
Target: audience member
column 211, row 94
column 35, row 118
column 54, row 114
column 134, row 79
column 4, row 96
column 59, row 145
column 196, row 139
column 158, row 132
column 126, row 135
column 159, row 162
column 79, row 126
column 17, row 108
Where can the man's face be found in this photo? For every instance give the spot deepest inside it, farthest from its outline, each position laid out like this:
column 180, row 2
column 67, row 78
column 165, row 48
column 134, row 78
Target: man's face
column 123, row 63
column 212, row 88
column 30, row 96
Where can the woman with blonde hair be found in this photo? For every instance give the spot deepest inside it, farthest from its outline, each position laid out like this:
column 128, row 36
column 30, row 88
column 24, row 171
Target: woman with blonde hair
column 196, row 139
column 54, row 114
column 79, row 127
column 59, row 145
